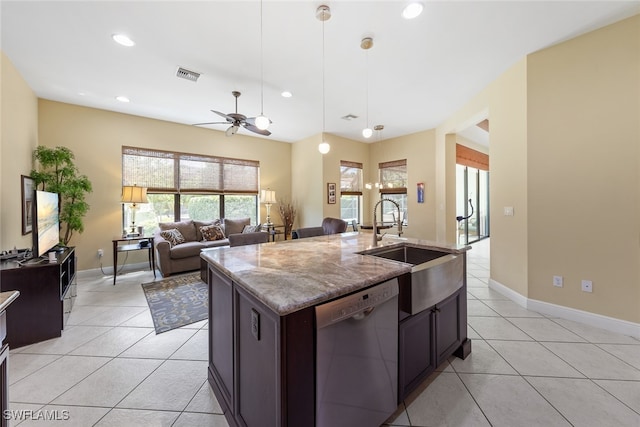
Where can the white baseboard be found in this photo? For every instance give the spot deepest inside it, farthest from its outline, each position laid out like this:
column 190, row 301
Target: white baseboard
column 592, row 319
column 108, row 271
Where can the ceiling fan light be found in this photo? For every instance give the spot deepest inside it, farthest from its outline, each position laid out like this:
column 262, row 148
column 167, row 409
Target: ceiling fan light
column 262, row 122
column 367, row 132
column 324, row 147
column 412, row 10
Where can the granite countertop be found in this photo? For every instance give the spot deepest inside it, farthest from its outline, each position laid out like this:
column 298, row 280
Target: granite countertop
column 290, row 275
column 6, row 298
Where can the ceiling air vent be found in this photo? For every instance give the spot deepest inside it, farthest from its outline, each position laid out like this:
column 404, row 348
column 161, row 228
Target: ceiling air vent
column 183, row 73
column 349, row 117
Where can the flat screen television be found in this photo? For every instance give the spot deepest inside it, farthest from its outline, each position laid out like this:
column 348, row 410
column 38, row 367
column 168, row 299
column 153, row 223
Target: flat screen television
column 46, row 222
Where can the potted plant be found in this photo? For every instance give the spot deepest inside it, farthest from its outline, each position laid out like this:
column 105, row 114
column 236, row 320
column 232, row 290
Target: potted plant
column 288, row 215
column 57, row 173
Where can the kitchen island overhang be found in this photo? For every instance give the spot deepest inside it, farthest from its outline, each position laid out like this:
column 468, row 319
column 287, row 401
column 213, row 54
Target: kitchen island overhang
column 261, row 303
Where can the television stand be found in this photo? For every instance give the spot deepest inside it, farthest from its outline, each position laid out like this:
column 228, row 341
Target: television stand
column 47, row 293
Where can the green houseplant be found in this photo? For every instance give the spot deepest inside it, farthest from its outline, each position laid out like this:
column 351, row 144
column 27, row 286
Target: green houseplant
column 57, row 173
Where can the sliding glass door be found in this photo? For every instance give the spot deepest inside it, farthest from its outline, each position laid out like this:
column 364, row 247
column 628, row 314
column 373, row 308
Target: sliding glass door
column 472, row 204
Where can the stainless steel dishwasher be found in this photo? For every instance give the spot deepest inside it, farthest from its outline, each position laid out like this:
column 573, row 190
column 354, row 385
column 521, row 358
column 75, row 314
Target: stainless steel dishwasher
column 357, row 358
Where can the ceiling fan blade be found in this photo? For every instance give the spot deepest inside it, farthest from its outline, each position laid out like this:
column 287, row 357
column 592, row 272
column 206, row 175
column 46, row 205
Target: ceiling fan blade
column 229, row 118
column 210, row 123
column 232, row 130
column 252, row 128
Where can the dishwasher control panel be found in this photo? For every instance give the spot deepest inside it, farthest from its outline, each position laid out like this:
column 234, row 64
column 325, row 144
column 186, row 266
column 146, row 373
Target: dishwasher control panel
column 356, row 303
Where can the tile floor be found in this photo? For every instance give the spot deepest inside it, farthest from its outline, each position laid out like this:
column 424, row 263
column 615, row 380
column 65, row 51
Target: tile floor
column 110, row 369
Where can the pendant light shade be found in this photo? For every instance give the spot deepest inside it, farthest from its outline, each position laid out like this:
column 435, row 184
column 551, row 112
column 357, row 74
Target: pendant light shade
column 262, row 122
column 367, row 132
column 323, row 13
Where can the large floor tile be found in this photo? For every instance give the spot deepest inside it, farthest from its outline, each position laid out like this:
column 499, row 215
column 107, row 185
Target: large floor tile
column 445, row 402
column 114, row 316
column 110, row 384
column 22, row 365
column 496, row 328
column 190, row 419
column 72, row 338
column 531, row 358
column 486, row 294
column 54, row 379
column 196, row 348
column 479, row 308
column 510, row 309
column 204, row 401
column 627, row 353
column 583, row 403
column 541, row 329
column 594, row 362
column 511, row 401
column 138, row 418
column 595, row 335
column 113, row 343
column 142, row 320
column 171, row 387
column 628, row 392
column 160, row 346
column 400, row 418
column 483, row 359
column 65, row 416
column 82, row 313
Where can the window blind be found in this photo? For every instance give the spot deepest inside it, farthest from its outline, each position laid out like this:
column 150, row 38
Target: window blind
column 393, row 177
column 167, row 171
column 350, row 178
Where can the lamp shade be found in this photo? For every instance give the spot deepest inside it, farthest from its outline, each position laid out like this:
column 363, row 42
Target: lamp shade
column 134, row 194
column 268, row 196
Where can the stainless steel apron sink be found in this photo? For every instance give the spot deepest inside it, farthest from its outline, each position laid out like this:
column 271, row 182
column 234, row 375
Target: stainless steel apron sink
column 434, row 275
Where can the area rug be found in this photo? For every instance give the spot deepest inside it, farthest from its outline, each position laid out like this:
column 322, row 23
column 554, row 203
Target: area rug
column 177, row 301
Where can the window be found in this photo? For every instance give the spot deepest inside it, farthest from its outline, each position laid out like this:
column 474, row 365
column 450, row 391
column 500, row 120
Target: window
column 350, row 190
column 184, row 186
column 393, row 185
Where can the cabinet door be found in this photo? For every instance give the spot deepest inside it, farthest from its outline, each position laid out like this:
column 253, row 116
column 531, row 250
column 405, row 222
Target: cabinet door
column 449, row 324
column 4, row 384
column 258, row 375
column 416, row 357
column 221, row 333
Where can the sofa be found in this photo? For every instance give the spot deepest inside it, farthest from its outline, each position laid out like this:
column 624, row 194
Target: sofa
column 178, row 244
column 329, row 226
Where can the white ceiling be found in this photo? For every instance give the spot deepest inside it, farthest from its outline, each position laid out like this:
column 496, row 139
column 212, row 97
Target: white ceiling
column 419, row 71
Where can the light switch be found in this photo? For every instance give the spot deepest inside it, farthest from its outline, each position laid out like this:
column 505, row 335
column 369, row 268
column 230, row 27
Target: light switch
column 508, row 211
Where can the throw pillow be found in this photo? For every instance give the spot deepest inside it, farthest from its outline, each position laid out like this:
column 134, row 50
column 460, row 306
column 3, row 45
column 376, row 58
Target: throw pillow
column 173, row 236
column 252, row 228
column 212, row 232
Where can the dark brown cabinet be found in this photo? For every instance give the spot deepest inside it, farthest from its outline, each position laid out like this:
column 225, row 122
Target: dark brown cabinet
column 47, row 292
column 428, row 338
column 261, row 365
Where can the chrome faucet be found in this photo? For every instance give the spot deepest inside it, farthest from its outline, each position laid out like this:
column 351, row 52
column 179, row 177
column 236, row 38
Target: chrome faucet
column 377, row 238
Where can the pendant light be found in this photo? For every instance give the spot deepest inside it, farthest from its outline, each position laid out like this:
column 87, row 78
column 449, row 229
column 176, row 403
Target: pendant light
column 262, row 122
column 366, row 44
column 323, row 13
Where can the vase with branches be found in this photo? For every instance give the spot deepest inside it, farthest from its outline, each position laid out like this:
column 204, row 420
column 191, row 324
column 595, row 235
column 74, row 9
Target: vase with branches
column 287, row 212
column 57, row 173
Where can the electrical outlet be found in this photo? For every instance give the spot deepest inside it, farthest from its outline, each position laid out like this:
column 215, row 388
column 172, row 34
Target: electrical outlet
column 587, row 286
column 558, row 281
column 100, row 253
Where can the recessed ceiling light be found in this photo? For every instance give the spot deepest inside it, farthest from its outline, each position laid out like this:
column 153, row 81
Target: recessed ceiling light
column 412, row 10
column 286, row 94
column 123, row 40
column 123, row 98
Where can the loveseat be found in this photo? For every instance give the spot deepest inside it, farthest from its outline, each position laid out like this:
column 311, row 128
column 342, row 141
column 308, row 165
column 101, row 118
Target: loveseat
column 178, row 244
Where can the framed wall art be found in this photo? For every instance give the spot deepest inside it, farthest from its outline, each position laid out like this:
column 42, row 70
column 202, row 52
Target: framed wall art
column 27, row 203
column 421, row 192
column 331, row 193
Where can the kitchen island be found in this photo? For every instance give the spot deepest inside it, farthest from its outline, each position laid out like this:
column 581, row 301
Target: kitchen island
column 263, row 354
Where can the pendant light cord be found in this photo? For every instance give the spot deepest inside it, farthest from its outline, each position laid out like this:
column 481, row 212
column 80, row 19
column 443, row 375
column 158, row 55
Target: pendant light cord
column 366, row 58
column 323, row 90
column 261, row 66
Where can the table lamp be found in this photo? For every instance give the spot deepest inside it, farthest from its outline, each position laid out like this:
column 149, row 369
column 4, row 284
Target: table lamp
column 268, row 197
column 134, row 195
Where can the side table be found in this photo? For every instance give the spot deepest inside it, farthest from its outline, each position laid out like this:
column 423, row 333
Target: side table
column 127, row 244
column 271, row 229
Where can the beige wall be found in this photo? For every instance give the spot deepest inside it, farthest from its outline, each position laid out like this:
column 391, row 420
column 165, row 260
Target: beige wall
column 96, row 138
column 307, row 181
column 583, row 151
column 419, row 150
column 19, row 133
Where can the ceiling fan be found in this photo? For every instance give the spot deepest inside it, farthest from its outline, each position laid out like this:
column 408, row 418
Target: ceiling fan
column 236, row 120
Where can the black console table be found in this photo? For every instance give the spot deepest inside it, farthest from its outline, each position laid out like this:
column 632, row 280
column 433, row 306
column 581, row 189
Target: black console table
column 47, row 293
column 126, row 244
